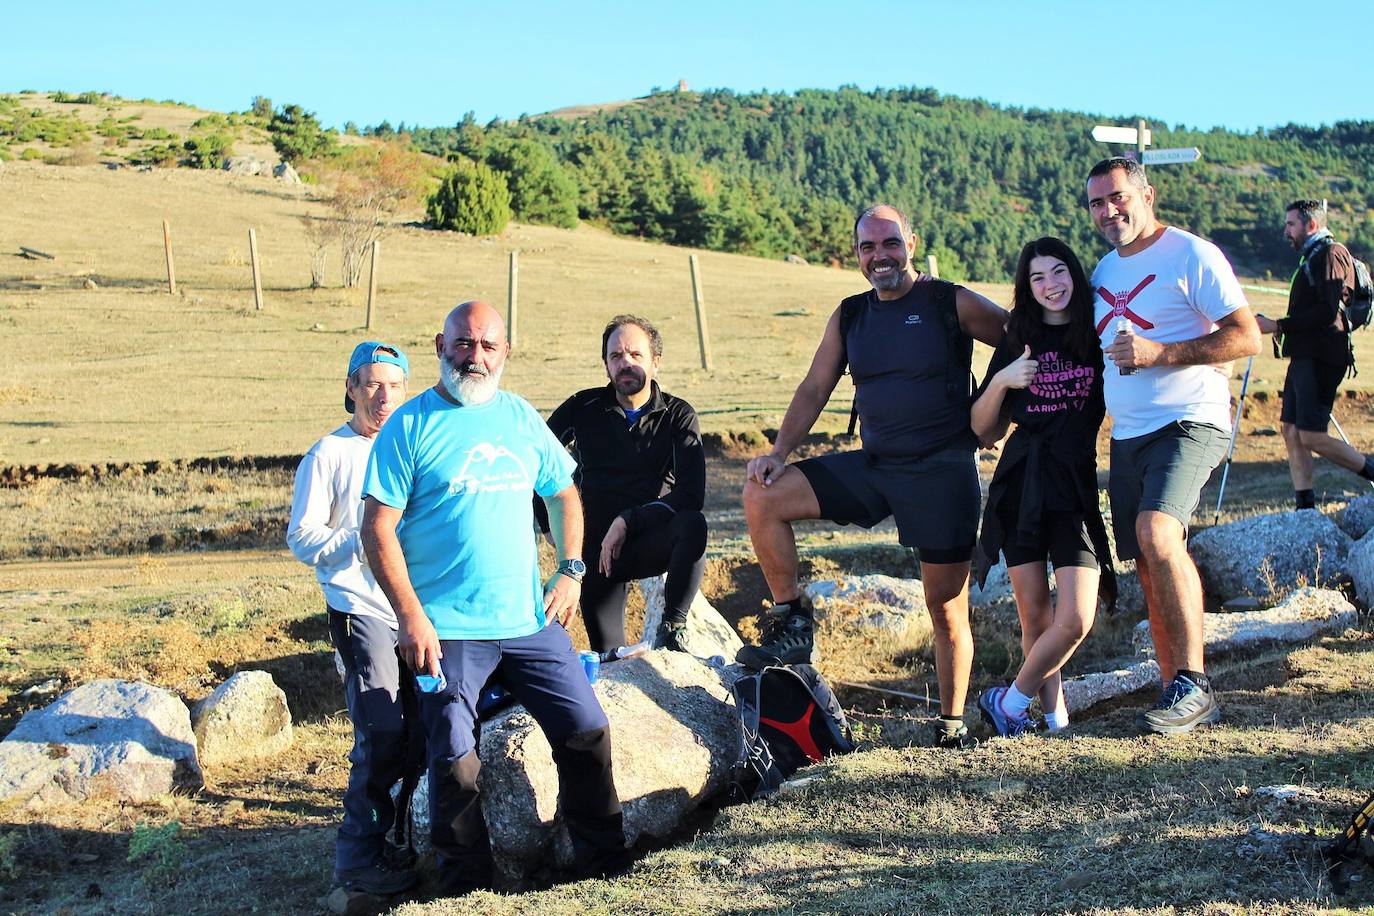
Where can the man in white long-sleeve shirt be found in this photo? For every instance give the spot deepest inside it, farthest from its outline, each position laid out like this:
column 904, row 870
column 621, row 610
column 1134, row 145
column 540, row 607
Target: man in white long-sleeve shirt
column 388, row 745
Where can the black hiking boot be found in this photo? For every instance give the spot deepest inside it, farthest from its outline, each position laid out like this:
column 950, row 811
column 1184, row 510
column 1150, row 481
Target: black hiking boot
column 789, row 638
column 380, row 879
column 672, row 636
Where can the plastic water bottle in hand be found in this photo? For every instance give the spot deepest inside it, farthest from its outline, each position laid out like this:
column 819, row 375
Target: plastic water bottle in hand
column 1123, row 327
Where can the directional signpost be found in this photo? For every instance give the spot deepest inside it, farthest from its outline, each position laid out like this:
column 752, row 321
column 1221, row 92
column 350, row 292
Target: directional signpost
column 1139, row 136
column 1166, row 156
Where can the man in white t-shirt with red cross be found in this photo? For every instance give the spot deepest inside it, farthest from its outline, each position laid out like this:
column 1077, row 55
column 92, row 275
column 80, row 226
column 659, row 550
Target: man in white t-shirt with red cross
column 1171, row 316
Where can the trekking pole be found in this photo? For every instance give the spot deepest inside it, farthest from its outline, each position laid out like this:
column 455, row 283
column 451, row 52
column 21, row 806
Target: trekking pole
column 1344, row 437
column 1235, row 432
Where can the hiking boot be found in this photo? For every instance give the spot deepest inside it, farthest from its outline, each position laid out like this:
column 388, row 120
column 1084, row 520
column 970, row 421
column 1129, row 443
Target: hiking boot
column 953, row 738
column 671, row 636
column 380, row 879
column 990, row 705
column 789, row 638
column 399, row 858
column 1182, row 707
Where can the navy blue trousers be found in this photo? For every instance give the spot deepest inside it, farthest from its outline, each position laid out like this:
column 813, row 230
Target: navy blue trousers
column 543, row 673
column 388, row 742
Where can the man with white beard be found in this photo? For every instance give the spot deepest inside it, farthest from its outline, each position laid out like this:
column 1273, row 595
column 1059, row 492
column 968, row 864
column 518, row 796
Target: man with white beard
column 448, row 529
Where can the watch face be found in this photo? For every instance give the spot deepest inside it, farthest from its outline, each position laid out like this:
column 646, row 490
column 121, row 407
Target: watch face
column 576, row 566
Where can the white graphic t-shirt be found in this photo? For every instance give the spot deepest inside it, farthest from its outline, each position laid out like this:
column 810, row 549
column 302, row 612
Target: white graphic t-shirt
column 1177, row 289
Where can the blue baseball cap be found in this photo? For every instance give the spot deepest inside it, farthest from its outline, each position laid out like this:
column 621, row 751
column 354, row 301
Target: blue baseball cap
column 374, row 351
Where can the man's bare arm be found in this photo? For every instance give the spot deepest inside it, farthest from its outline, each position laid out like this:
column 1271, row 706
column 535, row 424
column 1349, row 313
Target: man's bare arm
column 980, row 317
column 561, row 592
column 811, row 395
column 1237, row 336
column 416, row 639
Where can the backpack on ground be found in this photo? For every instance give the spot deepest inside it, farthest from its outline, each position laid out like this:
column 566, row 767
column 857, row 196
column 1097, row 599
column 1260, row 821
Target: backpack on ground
column 788, row 718
column 1354, row 845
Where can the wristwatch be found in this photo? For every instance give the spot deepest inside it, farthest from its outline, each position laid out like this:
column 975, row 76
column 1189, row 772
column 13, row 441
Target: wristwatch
column 574, row 569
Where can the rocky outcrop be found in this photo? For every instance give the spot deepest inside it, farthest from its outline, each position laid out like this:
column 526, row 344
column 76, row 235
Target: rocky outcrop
column 674, row 740
column 1305, row 613
column 1269, row 555
column 1359, row 564
column 1357, row 518
column 246, row 716
column 112, row 739
column 246, row 165
column 1091, row 689
column 879, row 601
column 708, row 633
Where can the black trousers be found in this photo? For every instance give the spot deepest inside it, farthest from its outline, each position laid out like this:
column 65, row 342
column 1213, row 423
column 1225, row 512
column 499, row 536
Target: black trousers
column 677, row 547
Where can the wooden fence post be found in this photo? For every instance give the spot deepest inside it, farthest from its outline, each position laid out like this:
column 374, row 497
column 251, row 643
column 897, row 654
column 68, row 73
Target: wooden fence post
column 372, row 282
column 932, row 266
column 703, row 338
column 512, row 297
column 171, row 268
column 257, row 277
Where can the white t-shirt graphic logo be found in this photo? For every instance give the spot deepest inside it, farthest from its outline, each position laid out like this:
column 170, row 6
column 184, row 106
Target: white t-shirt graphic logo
column 490, row 467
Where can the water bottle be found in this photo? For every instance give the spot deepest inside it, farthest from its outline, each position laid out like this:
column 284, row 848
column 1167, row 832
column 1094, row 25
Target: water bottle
column 431, row 683
column 591, row 664
column 1123, row 326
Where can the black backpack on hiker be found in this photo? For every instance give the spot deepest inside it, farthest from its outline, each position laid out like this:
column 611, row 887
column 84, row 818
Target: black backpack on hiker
column 788, row 718
column 1355, row 844
column 1358, row 310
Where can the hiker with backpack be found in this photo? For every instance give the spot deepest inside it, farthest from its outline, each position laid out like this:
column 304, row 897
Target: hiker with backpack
column 1325, row 304
column 1046, row 375
column 908, row 342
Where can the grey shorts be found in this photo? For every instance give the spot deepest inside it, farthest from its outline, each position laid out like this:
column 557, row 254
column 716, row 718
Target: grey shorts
column 934, row 499
column 1161, row 471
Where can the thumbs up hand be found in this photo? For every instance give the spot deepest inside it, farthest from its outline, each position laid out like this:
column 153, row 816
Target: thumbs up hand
column 1020, row 372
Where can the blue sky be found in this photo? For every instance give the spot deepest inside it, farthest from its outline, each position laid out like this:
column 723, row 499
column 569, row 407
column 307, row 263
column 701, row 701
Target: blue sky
column 1203, row 63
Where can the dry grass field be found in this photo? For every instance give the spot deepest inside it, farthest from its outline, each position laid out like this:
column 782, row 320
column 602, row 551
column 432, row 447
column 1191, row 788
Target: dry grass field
column 173, row 573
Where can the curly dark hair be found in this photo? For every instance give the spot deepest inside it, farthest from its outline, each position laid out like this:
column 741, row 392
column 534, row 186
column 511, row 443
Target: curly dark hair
column 1027, row 319
column 620, row 321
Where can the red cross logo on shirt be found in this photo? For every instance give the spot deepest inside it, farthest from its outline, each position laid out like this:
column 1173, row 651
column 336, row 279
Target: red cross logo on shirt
column 1120, row 303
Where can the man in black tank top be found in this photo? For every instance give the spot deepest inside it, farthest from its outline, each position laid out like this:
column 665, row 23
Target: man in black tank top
column 908, row 343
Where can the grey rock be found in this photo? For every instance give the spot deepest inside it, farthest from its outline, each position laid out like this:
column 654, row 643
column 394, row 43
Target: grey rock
column 673, row 743
column 879, row 601
column 246, row 716
column 795, row 259
column 1357, row 517
column 47, row 688
column 284, row 172
column 1091, row 689
column 246, row 165
column 996, row 587
column 1360, row 567
column 708, row 633
column 1243, row 603
column 117, row 739
column 1305, row 613
column 1268, row 555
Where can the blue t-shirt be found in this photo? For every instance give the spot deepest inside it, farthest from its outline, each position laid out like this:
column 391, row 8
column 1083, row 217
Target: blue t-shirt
column 463, row 477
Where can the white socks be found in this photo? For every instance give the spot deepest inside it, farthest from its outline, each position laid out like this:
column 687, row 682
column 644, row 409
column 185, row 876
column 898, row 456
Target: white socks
column 1015, row 703
column 1056, row 719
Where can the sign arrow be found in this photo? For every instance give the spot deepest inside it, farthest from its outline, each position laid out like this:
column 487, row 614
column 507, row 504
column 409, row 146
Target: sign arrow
column 1166, row 156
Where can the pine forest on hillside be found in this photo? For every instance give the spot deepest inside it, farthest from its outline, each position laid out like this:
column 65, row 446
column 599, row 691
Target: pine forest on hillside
column 779, row 173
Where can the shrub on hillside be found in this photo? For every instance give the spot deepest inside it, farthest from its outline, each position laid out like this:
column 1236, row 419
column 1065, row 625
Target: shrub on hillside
column 541, row 190
column 297, row 134
column 472, row 198
column 208, row 151
column 163, row 156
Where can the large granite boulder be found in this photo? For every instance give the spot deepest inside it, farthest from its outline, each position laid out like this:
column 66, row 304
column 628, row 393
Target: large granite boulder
column 1359, row 565
column 1357, row 518
column 285, row 172
column 112, row 739
column 1305, row 613
column 708, row 633
column 246, row 716
column 246, row 165
column 674, row 738
column 879, row 601
column 1269, row 555
column 1091, row 689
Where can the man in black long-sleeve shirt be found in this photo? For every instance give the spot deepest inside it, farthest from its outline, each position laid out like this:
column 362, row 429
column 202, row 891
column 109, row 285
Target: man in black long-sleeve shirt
column 642, row 473
column 1314, row 337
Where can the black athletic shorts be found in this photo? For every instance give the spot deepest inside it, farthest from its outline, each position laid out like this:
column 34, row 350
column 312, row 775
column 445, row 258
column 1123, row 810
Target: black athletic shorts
column 1063, row 541
column 1161, row 471
column 934, row 499
column 1309, row 391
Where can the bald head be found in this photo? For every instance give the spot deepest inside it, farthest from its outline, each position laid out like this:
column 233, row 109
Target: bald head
column 884, row 212
column 472, row 351
column 475, row 314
